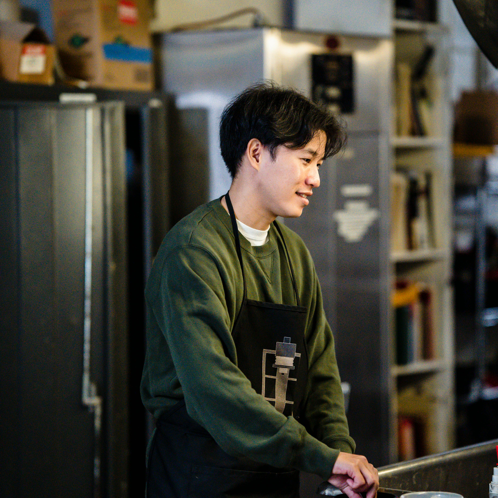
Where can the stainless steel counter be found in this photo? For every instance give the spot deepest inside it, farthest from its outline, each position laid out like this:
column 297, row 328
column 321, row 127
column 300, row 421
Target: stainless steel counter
column 465, row 470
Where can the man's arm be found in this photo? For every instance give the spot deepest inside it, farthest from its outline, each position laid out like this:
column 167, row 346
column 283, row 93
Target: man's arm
column 325, row 409
column 325, row 414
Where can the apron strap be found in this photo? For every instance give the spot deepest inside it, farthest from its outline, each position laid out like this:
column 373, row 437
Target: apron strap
column 237, row 239
column 289, row 263
column 239, row 252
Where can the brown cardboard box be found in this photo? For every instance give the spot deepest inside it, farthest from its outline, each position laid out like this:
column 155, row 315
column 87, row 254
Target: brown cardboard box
column 476, row 117
column 26, row 54
column 105, row 42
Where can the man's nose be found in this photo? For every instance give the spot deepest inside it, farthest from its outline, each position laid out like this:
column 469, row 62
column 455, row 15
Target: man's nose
column 313, row 179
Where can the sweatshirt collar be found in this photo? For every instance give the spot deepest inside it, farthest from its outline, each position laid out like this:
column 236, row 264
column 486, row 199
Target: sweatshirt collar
column 258, row 251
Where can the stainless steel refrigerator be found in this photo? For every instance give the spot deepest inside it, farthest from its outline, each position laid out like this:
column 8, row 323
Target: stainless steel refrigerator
column 346, row 225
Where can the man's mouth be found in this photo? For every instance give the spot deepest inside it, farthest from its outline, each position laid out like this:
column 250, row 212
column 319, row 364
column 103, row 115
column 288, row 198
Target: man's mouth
column 304, row 196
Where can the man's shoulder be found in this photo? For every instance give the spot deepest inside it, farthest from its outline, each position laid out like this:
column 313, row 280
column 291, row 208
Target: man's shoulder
column 204, row 228
column 202, row 232
column 197, row 227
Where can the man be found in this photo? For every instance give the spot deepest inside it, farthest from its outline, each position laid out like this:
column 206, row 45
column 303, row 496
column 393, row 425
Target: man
column 240, row 371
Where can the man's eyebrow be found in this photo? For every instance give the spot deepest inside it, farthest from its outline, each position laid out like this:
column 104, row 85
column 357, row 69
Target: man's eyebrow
column 313, row 152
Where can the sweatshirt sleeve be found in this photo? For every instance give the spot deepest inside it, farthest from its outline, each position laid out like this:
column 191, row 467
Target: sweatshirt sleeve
column 324, row 414
column 192, row 310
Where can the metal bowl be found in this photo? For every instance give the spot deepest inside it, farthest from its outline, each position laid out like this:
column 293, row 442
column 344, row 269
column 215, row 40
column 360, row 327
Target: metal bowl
column 431, row 494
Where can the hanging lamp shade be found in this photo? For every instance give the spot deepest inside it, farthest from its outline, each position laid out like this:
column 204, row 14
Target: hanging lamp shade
column 481, row 19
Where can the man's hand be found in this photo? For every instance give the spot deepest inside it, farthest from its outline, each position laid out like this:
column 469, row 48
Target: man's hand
column 353, row 474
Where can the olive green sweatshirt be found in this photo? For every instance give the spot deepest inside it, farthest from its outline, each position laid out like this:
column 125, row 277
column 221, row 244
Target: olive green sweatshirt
column 193, row 296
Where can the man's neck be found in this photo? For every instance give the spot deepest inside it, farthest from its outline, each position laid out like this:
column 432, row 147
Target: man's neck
column 245, row 208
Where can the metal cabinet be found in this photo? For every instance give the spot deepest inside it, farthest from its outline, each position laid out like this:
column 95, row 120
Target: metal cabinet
column 71, row 303
column 63, row 298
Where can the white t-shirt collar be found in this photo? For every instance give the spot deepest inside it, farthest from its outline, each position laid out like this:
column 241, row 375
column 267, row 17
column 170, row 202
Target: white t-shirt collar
column 254, row 236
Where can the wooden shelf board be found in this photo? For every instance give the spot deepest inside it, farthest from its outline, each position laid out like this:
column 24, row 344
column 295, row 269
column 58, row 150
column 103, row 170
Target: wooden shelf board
column 423, row 255
column 417, row 142
column 418, row 26
column 419, row 367
column 461, row 150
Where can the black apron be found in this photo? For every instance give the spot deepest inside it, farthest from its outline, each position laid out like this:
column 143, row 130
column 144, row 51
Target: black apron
column 185, row 461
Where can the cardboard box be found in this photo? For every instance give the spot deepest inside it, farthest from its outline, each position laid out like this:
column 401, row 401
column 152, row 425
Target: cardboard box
column 26, row 54
column 105, row 42
column 476, row 117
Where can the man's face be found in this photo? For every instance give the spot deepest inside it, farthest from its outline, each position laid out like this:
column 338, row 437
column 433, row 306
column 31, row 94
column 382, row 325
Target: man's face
column 286, row 183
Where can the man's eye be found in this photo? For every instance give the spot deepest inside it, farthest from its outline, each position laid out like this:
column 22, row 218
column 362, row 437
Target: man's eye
column 307, row 160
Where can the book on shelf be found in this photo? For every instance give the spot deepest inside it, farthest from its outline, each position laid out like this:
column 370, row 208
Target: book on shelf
column 413, row 102
column 416, row 10
column 399, row 215
column 411, row 217
column 403, row 99
column 426, row 297
column 417, row 409
column 411, row 437
column 406, row 439
column 414, row 314
column 418, row 211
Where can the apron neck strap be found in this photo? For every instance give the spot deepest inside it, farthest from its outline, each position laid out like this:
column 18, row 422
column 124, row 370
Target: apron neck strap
column 289, row 264
column 235, row 229
column 239, row 252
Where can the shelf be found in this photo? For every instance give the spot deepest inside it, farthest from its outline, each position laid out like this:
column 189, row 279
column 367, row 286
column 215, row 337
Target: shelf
column 472, row 150
column 420, row 144
column 30, row 91
column 414, row 256
column 419, row 367
column 417, row 142
column 418, row 26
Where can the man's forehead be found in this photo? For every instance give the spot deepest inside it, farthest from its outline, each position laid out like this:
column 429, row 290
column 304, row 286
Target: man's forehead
column 317, row 144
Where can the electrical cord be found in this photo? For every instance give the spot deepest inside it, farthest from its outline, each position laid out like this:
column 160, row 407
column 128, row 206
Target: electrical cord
column 258, row 21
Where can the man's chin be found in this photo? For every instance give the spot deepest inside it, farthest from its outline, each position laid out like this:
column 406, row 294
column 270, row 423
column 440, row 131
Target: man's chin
column 292, row 215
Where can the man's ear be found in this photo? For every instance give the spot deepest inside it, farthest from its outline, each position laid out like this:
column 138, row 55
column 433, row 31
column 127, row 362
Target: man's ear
column 254, row 153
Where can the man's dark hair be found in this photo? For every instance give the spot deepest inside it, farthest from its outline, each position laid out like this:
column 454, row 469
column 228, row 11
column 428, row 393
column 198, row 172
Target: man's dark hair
column 275, row 116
